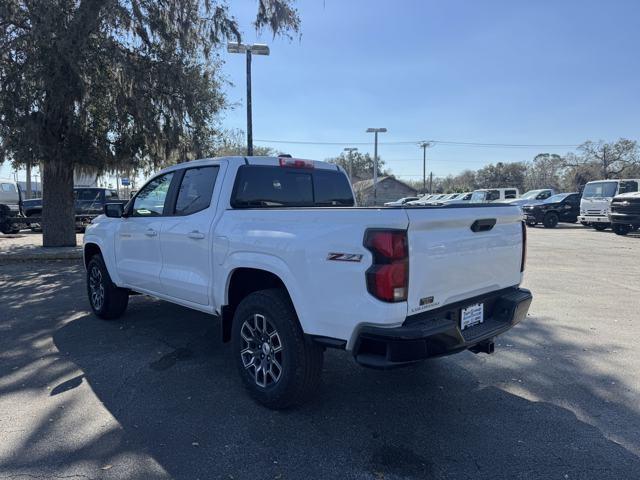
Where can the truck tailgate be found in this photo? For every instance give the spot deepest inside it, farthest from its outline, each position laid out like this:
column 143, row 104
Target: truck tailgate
column 450, row 262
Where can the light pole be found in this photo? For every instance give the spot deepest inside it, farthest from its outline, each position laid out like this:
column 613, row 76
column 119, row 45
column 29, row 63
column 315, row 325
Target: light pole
column 258, row 49
column 375, row 131
column 424, row 146
column 350, row 151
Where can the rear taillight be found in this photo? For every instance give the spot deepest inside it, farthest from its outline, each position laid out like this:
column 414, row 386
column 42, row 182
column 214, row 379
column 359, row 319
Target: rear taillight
column 523, row 260
column 388, row 276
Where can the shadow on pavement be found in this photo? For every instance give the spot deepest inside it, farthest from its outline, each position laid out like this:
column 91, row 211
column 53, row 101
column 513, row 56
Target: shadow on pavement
column 173, row 389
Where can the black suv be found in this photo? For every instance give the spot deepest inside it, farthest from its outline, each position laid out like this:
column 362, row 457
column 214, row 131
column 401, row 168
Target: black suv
column 563, row 207
column 625, row 213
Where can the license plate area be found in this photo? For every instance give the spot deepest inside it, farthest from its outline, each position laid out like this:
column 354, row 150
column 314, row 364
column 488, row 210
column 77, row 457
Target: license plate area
column 471, row 316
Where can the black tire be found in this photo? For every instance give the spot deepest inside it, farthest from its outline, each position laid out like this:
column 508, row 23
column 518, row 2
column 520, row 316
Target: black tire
column 531, row 224
column 300, row 359
column 550, row 220
column 585, row 224
column 109, row 301
column 621, row 229
column 600, row 227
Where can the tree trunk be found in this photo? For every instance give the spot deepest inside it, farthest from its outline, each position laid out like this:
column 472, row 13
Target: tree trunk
column 58, row 209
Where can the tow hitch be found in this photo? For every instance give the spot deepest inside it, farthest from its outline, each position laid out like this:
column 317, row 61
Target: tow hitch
column 488, row 346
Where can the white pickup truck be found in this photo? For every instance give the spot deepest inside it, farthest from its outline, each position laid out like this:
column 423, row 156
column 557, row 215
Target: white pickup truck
column 278, row 251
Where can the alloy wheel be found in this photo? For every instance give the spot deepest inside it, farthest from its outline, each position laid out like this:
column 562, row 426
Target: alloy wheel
column 261, row 350
column 96, row 288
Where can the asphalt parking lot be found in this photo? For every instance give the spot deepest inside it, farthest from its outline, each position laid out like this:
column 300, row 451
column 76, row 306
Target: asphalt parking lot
column 155, row 395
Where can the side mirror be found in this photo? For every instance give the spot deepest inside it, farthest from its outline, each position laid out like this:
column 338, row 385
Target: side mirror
column 113, row 210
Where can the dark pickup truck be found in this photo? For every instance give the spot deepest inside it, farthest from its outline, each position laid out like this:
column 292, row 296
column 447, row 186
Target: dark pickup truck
column 89, row 203
column 562, row 207
column 625, row 213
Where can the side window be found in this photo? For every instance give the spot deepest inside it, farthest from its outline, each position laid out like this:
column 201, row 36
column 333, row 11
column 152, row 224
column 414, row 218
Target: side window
column 493, row 195
column 573, row 199
column 87, row 194
column 196, row 190
column 510, row 194
column 7, row 187
column 111, row 195
column 543, row 195
column 150, row 199
column 629, row 186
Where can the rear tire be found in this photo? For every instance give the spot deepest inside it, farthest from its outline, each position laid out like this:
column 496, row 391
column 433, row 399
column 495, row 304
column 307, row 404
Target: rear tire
column 599, row 227
column 621, row 229
column 279, row 366
column 550, row 220
column 107, row 300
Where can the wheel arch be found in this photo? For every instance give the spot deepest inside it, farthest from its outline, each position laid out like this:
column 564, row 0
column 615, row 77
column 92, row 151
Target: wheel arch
column 241, row 282
column 89, row 251
column 93, row 245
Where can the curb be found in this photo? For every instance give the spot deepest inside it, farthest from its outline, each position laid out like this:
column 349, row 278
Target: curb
column 40, row 254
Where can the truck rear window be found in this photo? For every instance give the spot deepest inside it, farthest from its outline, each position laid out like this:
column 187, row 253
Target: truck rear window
column 267, row 186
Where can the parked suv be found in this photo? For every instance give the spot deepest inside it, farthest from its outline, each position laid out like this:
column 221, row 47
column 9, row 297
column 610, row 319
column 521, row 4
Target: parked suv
column 563, row 207
column 278, row 251
column 625, row 213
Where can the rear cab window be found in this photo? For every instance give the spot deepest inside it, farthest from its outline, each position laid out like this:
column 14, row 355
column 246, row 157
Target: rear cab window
column 627, row 186
column 262, row 186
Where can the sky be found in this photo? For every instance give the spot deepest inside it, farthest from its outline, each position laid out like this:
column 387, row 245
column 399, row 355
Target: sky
column 547, row 73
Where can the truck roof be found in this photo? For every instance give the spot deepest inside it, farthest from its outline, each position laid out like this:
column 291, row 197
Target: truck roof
column 257, row 160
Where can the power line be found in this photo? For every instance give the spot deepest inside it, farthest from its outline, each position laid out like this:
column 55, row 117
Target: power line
column 445, row 143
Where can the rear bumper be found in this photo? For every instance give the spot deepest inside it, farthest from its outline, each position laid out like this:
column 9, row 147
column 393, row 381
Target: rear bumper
column 437, row 332
column 593, row 219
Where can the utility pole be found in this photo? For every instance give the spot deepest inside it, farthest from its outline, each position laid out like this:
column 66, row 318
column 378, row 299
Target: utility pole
column 350, row 151
column 431, row 182
column 249, row 114
column 424, row 146
column 258, row 49
column 375, row 131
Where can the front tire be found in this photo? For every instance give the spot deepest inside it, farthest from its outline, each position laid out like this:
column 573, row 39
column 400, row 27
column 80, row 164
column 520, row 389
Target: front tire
column 550, row 220
column 107, row 300
column 278, row 365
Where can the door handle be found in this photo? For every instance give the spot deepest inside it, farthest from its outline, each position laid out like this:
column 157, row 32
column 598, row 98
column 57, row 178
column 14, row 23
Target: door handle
column 125, row 235
column 196, row 235
column 483, row 225
column 150, row 232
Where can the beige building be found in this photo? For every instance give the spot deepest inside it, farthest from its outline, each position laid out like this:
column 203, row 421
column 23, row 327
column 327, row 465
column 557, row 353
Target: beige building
column 389, row 189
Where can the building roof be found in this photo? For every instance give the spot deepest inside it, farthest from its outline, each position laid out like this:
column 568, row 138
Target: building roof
column 363, row 185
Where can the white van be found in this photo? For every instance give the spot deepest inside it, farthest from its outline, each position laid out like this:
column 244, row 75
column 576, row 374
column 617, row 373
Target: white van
column 9, row 203
column 596, row 200
column 485, row 195
column 10, row 195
